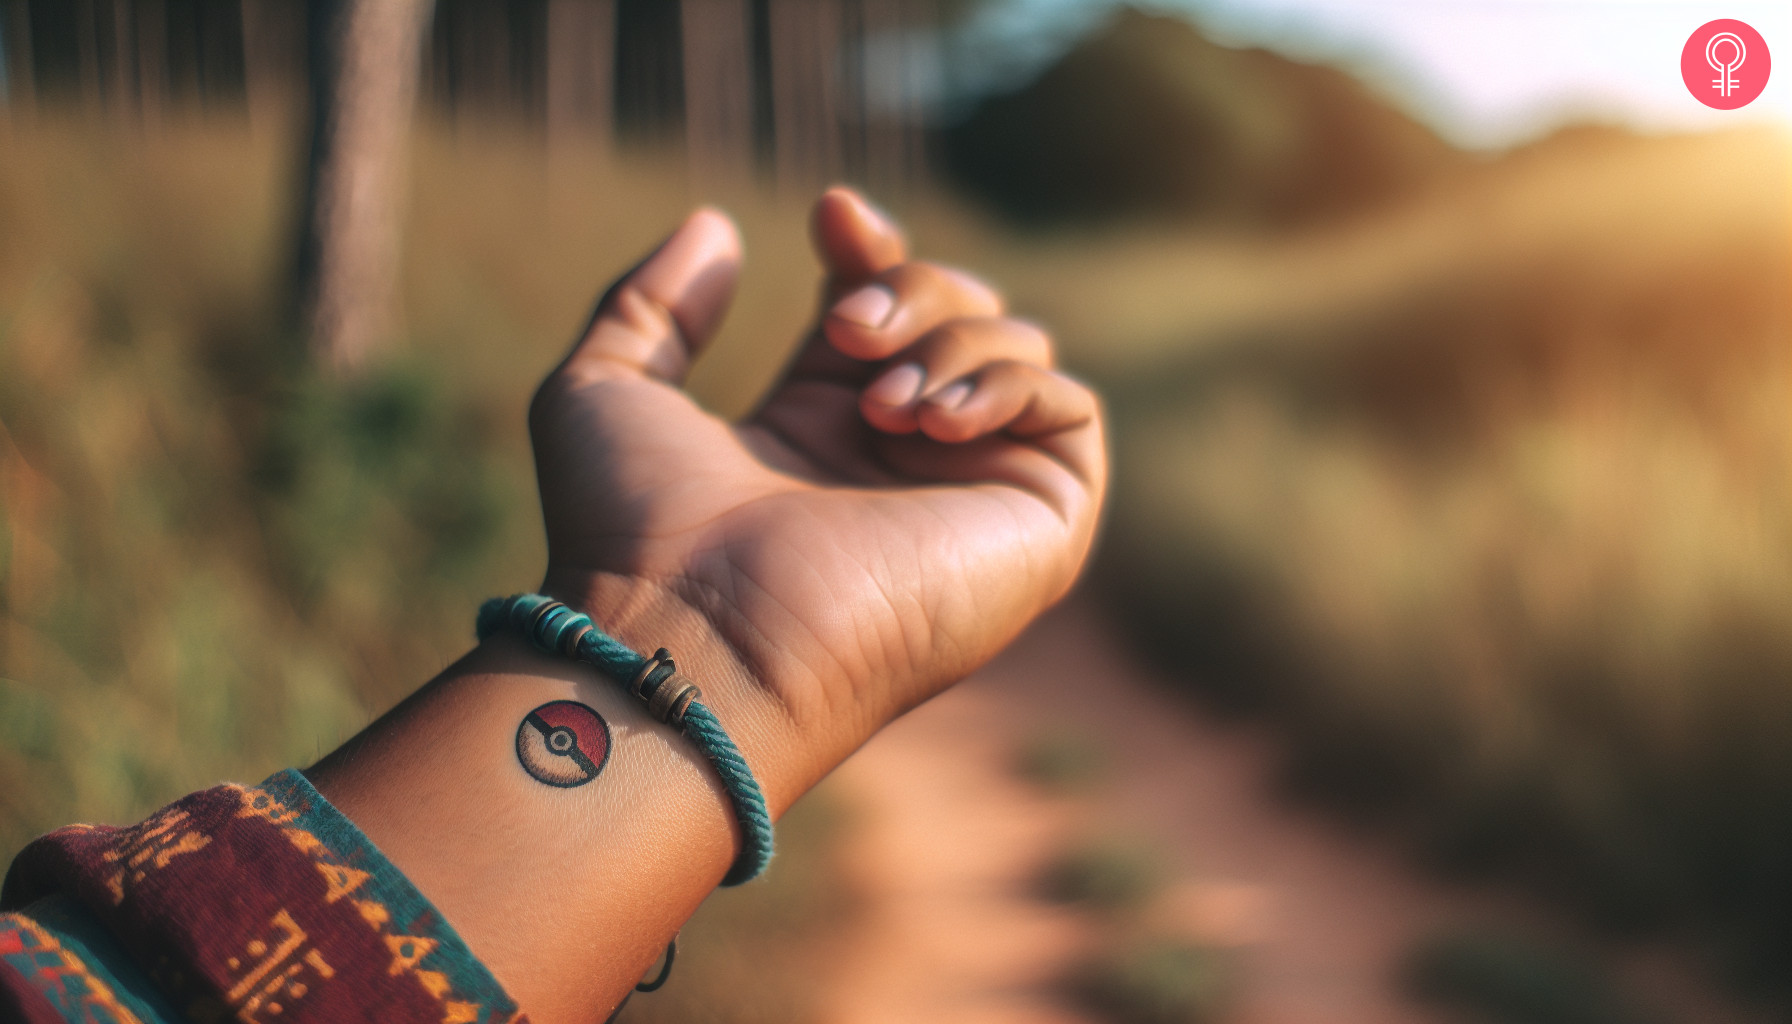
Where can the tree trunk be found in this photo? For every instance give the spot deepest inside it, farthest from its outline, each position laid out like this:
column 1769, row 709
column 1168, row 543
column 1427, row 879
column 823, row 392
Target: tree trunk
column 581, row 73
column 718, row 88
column 364, row 58
column 649, row 97
column 805, row 52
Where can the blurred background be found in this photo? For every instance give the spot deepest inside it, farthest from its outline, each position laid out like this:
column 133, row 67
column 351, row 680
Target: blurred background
column 1437, row 660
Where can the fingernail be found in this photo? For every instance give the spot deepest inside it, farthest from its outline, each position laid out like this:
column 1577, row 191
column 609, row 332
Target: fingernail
column 870, row 306
column 952, row 395
column 897, row 387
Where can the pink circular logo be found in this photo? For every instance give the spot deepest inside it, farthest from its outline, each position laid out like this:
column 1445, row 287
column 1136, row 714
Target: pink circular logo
column 1725, row 64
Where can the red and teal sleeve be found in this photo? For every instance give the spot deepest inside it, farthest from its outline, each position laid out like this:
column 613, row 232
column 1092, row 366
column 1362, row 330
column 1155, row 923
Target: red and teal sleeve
column 258, row 904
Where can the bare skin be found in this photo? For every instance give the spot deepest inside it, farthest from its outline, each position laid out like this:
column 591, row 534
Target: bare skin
column 917, row 488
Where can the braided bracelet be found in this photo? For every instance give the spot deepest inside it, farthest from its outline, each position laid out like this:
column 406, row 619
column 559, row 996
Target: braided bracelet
column 556, row 629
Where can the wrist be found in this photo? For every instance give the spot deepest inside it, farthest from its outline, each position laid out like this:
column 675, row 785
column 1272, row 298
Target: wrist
column 647, row 615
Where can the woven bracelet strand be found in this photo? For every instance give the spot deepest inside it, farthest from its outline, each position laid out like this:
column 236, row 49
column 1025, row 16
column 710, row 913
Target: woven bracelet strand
column 556, row 629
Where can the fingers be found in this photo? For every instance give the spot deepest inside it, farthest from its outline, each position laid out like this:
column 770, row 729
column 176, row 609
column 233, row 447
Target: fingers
column 655, row 320
column 1003, row 399
column 946, row 355
column 875, row 302
column 854, row 240
column 1016, row 423
column 900, row 305
column 1020, row 399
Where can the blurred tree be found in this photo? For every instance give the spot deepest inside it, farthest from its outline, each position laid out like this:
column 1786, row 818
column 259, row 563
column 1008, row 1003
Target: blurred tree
column 273, row 36
column 132, row 58
column 718, row 86
column 490, row 58
column 649, row 93
column 205, row 62
column 806, row 77
column 580, row 73
column 364, row 57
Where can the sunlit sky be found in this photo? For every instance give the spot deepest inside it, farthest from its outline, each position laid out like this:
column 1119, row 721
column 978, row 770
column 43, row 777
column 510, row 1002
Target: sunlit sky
column 1482, row 72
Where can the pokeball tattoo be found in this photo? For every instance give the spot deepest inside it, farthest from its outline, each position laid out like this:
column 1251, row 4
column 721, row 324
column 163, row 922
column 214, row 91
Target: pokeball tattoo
column 563, row 743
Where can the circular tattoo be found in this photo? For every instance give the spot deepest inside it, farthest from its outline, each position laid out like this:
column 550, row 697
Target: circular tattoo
column 563, row 743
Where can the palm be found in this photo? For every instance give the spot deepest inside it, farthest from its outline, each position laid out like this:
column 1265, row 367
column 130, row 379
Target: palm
column 841, row 569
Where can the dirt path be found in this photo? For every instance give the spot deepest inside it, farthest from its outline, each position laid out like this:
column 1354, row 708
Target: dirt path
column 950, row 839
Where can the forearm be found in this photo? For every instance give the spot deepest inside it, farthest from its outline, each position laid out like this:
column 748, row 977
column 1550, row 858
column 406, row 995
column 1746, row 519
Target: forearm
column 567, row 894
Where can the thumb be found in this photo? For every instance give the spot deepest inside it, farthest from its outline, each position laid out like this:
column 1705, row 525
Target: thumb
column 659, row 316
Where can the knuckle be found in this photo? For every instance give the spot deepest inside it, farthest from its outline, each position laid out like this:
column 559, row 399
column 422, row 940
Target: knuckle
column 1013, row 373
column 952, row 338
column 981, row 291
column 964, row 338
column 918, row 276
column 951, row 431
column 1079, row 401
column 1034, row 337
column 1089, row 397
column 631, row 307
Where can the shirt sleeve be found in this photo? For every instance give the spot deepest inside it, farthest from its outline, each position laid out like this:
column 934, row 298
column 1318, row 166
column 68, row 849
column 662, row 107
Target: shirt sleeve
column 262, row 904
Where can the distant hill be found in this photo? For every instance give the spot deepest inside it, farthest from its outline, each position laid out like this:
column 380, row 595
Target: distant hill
column 1147, row 117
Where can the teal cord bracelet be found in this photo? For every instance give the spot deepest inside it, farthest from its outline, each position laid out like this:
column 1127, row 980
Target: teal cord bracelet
column 556, row 629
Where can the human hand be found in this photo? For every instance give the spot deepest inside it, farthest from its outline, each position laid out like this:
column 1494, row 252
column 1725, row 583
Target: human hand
column 917, row 487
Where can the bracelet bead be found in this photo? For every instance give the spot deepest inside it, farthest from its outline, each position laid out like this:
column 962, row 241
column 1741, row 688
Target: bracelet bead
column 671, row 697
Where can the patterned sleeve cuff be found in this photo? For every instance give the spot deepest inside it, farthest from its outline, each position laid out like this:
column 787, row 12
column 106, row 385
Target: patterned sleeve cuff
column 265, row 904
